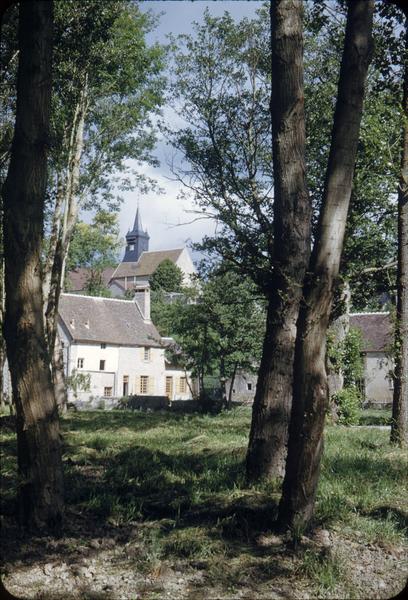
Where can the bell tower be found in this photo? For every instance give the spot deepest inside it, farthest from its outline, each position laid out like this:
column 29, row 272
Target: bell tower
column 137, row 240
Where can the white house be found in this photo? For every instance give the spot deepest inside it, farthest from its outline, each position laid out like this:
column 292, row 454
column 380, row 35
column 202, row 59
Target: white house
column 116, row 343
column 376, row 332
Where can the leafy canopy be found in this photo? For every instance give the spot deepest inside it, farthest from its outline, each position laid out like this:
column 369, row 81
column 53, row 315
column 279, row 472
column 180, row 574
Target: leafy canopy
column 168, row 277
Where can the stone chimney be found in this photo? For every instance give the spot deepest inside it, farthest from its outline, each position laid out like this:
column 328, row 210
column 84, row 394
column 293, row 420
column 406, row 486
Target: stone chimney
column 142, row 299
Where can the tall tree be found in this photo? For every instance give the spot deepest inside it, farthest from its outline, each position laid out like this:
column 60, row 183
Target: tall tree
column 107, row 85
column 399, row 427
column 38, row 441
column 292, row 225
column 168, row 277
column 95, row 247
column 224, row 80
column 217, row 326
column 310, row 393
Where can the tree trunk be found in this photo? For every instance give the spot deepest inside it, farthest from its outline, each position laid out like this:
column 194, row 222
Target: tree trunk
column 58, row 376
column 61, row 234
column 292, row 216
column 399, row 427
column 38, row 438
column 338, row 328
column 2, row 300
column 232, row 381
column 310, row 395
column 60, row 247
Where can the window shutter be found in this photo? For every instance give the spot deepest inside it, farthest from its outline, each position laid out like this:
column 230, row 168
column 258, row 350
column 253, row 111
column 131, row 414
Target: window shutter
column 141, row 350
column 137, row 383
column 177, row 385
column 151, row 385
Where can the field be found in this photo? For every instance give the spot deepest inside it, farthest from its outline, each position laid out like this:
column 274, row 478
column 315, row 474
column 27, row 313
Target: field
column 157, row 507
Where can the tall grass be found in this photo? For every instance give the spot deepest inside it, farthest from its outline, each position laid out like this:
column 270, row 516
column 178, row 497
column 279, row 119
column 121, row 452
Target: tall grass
column 183, row 477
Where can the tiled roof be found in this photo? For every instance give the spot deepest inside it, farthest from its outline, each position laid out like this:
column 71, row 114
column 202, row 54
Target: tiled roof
column 108, row 320
column 376, row 329
column 147, row 263
column 78, row 277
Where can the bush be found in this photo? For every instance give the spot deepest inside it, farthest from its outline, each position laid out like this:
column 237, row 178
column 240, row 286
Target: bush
column 348, row 404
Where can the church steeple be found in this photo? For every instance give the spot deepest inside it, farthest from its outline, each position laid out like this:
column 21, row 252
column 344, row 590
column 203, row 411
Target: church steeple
column 137, row 240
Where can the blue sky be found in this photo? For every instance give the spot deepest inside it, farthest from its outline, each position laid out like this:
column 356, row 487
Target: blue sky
column 165, row 217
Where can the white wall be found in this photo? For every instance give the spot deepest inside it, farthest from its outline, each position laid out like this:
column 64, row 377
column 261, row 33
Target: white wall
column 132, row 364
column 176, row 375
column 185, row 263
column 377, row 380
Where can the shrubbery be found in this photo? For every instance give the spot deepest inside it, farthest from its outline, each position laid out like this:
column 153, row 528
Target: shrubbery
column 348, row 405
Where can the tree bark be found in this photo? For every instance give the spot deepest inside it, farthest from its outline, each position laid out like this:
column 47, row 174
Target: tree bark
column 2, row 301
column 60, row 247
column 292, row 222
column 61, row 234
column 230, row 391
column 38, row 438
column 310, row 394
column 399, row 426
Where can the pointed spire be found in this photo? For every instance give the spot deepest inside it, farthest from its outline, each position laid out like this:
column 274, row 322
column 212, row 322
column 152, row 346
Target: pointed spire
column 138, row 221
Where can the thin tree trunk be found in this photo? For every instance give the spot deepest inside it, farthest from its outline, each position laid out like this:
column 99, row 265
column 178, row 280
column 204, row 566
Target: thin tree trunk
column 310, row 395
column 399, row 427
column 2, row 300
column 71, row 209
column 234, row 373
column 292, row 216
column 38, row 438
column 62, row 230
column 58, row 376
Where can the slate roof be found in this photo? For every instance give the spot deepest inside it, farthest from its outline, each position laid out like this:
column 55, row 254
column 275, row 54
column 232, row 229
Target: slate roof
column 376, row 329
column 107, row 320
column 147, row 263
column 78, row 277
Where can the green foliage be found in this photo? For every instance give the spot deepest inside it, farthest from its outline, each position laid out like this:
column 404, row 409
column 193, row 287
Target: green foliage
column 100, row 52
column 346, row 356
column 223, row 88
column 95, row 245
column 222, row 91
column 218, row 326
column 348, row 403
column 78, row 382
column 168, row 277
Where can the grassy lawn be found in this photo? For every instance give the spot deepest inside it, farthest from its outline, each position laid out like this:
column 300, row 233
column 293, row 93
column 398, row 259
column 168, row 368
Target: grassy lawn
column 375, row 416
column 179, row 480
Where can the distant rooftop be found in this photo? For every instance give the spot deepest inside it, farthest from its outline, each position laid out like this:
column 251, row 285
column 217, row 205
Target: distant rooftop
column 376, row 330
column 107, row 320
column 147, row 263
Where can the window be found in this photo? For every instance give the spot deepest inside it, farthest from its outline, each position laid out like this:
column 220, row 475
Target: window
column 169, row 387
column 125, row 385
column 101, row 365
column 183, row 385
column 107, row 391
column 103, row 346
column 249, row 386
column 131, row 247
column 146, row 353
column 80, row 363
column 144, row 384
